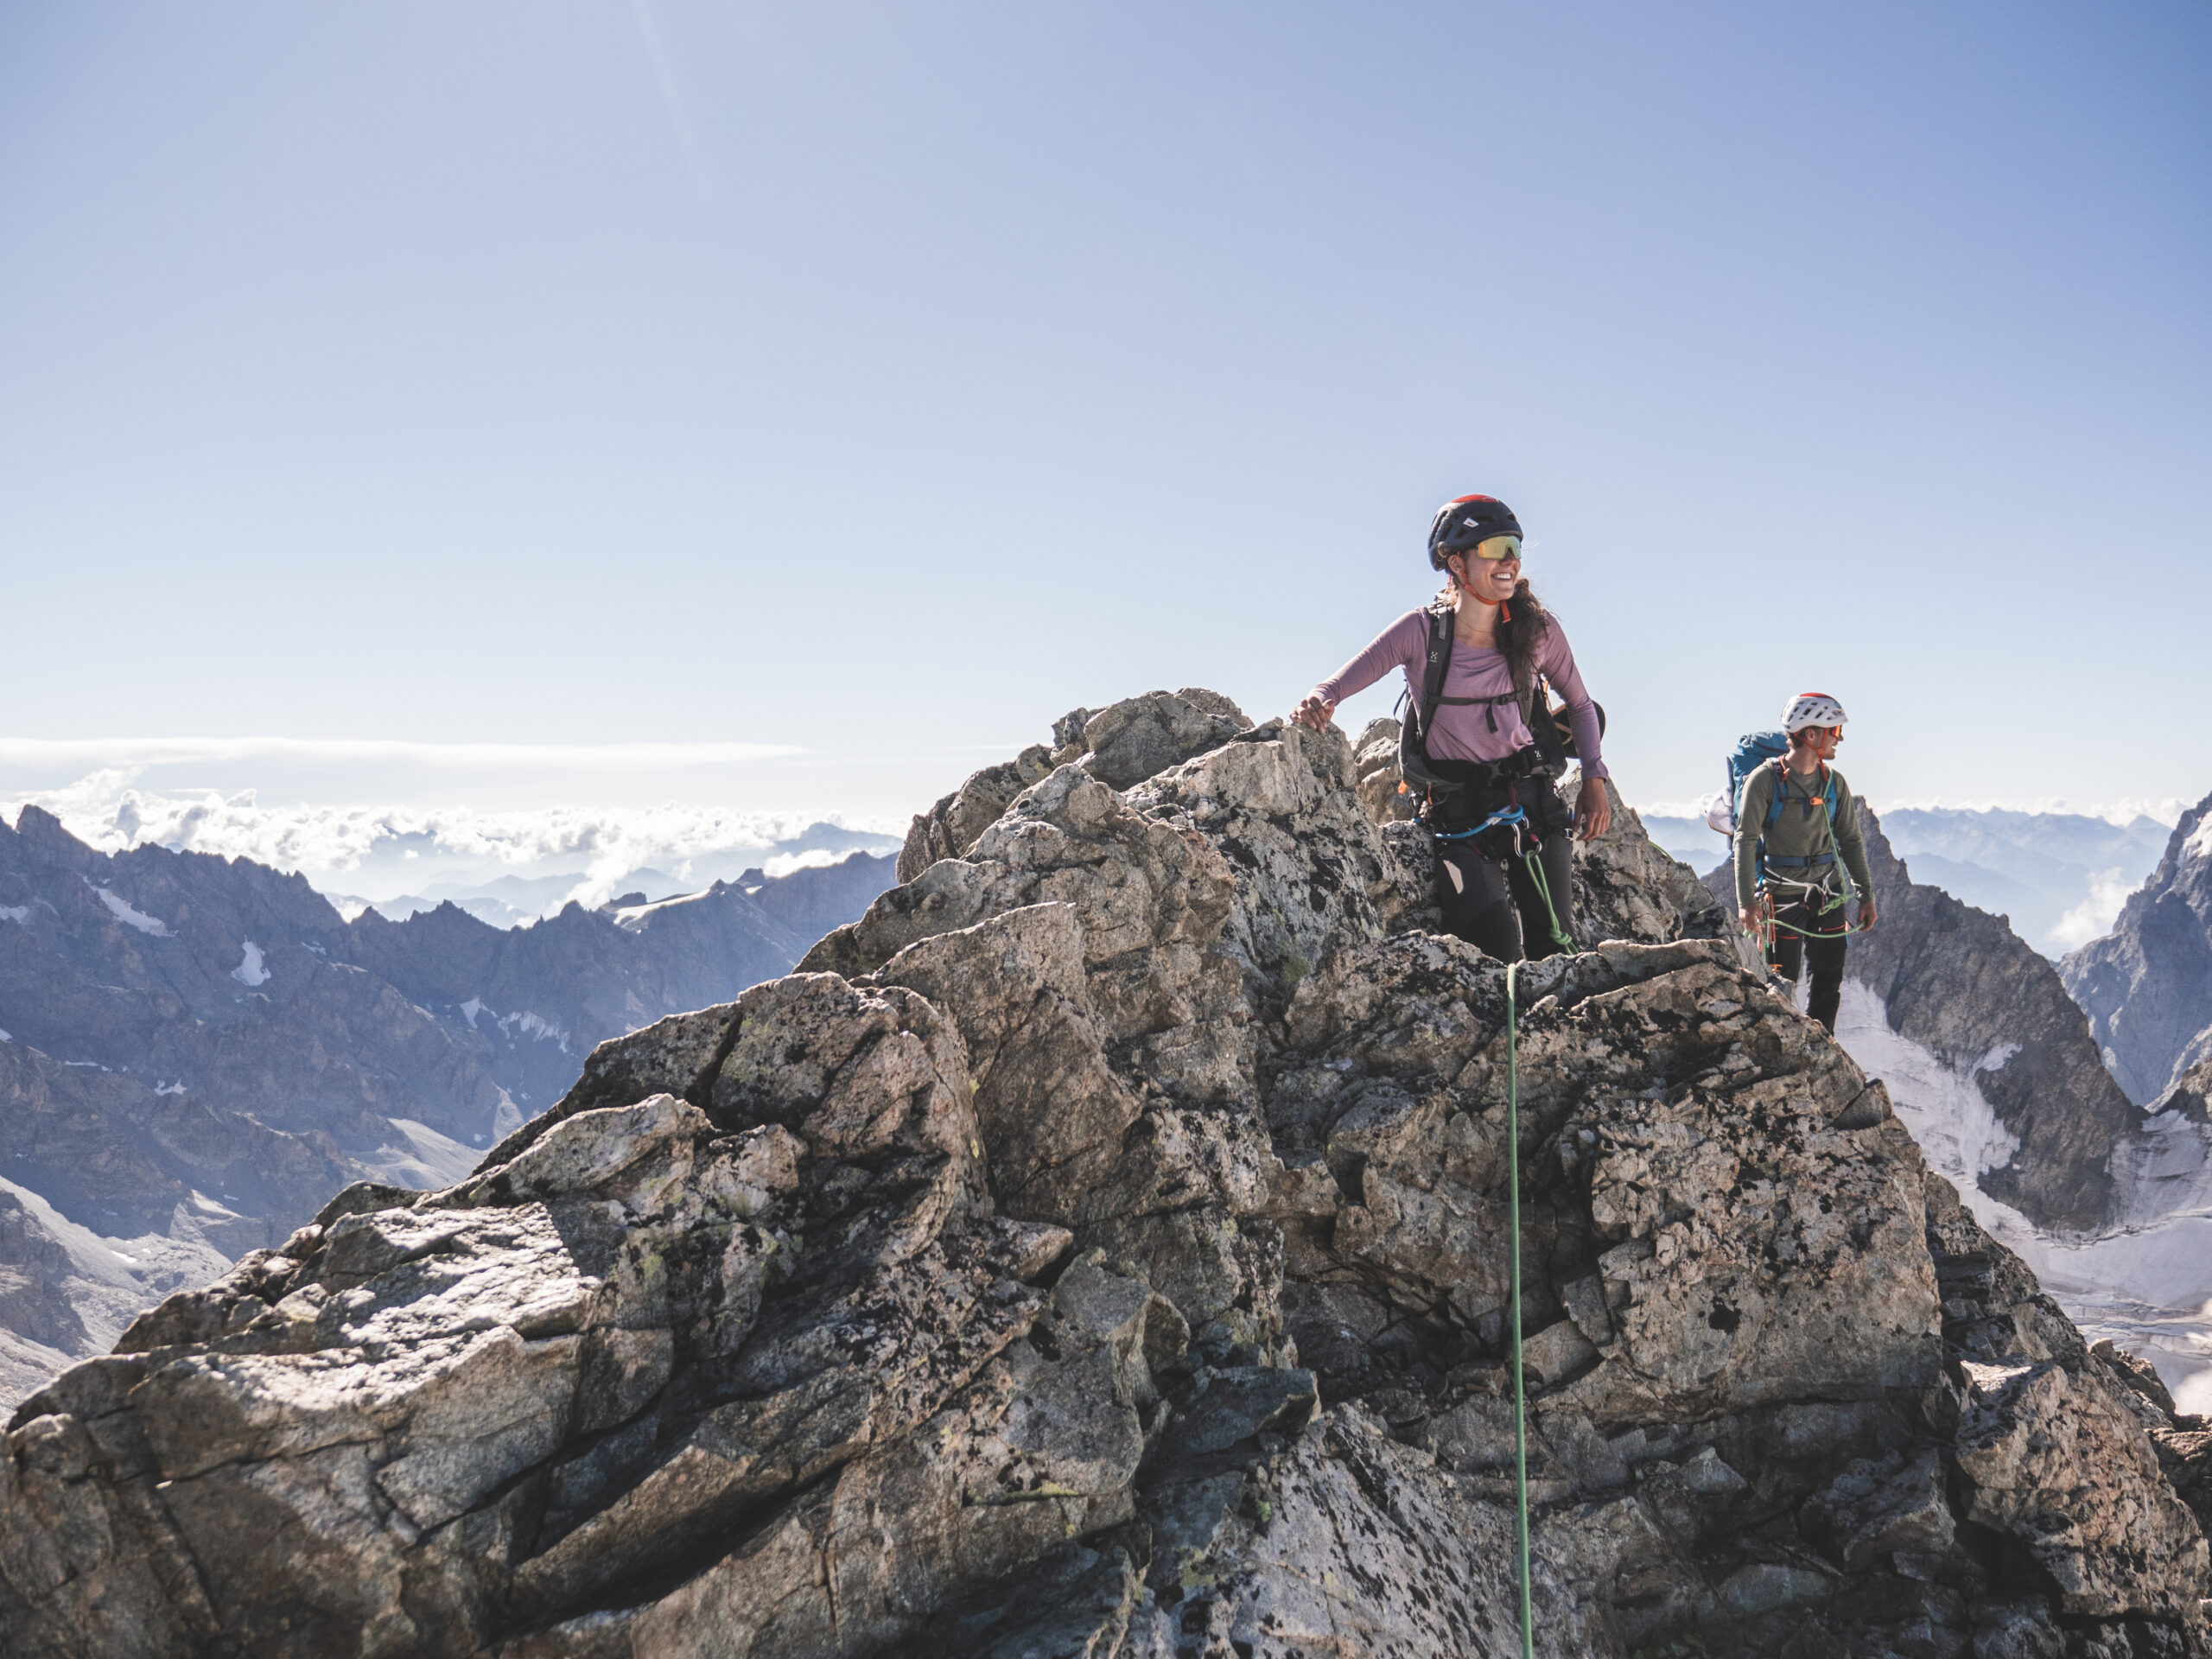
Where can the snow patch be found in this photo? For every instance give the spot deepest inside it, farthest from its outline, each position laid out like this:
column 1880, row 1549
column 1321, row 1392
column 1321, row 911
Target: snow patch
column 168, row 1088
column 2146, row 1283
column 470, row 1010
column 632, row 916
column 1943, row 1107
column 421, row 1159
column 2166, row 1171
column 249, row 970
column 534, row 1025
column 123, row 912
column 109, row 1283
column 15, row 913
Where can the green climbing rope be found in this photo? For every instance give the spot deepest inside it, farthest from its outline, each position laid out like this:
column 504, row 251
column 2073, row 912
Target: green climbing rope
column 1513, row 1311
column 1560, row 937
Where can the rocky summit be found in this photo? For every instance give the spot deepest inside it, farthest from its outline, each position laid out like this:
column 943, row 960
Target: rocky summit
column 1100, row 1247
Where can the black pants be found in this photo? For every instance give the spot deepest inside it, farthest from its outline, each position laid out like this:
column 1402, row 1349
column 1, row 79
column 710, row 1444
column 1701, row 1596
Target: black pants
column 1792, row 951
column 1498, row 908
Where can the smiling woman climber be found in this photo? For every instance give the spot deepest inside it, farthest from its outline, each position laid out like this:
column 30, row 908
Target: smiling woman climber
column 1481, row 746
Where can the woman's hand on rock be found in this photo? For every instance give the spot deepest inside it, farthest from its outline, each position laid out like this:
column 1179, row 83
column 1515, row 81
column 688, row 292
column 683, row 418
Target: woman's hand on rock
column 1315, row 711
column 1594, row 807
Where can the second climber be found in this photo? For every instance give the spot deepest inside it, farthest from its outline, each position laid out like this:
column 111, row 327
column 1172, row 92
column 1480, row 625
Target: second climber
column 1798, row 837
column 1481, row 747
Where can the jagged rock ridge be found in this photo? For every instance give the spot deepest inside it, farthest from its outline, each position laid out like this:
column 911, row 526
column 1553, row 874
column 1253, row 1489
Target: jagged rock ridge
column 1101, row 1250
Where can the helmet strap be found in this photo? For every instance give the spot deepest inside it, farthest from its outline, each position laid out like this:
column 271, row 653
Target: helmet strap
column 1498, row 605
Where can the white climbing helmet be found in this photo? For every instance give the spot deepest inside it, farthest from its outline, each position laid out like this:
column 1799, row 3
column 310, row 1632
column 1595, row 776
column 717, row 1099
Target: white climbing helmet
column 1811, row 708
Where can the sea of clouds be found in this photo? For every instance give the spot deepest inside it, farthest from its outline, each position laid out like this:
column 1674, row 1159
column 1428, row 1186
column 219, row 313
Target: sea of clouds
column 378, row 852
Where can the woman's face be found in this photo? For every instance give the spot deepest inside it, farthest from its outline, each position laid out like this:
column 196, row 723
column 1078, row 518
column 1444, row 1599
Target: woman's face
column 1488, row 579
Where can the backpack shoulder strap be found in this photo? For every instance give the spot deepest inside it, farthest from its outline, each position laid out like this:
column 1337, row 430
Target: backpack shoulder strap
column 1413, row 736
column 1441, row 621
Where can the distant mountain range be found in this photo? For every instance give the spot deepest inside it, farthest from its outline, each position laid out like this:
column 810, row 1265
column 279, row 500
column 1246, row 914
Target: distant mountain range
column 196, row 1052
column 2060, row 878
column 517, row 900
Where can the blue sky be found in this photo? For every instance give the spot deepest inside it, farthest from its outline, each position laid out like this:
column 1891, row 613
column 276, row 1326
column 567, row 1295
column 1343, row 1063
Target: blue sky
column 879, row 382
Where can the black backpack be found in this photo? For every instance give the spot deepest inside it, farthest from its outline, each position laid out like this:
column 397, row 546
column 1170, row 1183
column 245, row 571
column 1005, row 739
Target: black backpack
column 1555, row 737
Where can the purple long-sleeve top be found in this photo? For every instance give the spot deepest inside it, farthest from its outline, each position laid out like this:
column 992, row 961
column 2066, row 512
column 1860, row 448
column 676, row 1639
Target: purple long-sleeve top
column 1462, row 733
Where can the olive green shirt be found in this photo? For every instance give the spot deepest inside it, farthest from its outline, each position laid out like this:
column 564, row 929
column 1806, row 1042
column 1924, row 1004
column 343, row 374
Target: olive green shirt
column 1803, row 832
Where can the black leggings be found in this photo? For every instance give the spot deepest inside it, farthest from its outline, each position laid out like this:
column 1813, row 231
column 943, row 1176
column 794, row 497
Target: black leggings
column 1791, row 951
column 1498, row 907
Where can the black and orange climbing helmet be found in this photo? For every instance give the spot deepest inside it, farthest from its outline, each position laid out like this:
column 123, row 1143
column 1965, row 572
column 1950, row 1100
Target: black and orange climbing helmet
column 1465, row 522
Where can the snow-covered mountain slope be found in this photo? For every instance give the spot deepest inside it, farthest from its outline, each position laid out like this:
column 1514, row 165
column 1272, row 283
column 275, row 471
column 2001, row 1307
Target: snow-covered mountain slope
column 66, row 1291
column 202, row 1050
column 2147, row 985
column 2145, row 1280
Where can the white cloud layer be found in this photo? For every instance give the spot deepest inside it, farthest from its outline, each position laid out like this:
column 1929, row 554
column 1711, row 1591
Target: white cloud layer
column 2093, row 917
column 382, row 851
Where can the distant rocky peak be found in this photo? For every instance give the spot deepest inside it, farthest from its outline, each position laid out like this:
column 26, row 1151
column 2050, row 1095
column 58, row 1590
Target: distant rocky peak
column 2147, row 985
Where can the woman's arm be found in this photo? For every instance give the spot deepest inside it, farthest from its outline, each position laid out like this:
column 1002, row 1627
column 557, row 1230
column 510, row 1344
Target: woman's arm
column 1404, row 641
column 1556, row 659
column 1592, row 806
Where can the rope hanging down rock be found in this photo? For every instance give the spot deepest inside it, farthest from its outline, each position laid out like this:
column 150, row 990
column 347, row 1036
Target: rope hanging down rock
column 1513, row 1313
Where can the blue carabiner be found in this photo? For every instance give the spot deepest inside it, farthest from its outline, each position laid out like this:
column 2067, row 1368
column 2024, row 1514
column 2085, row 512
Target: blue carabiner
column 1512, row 814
